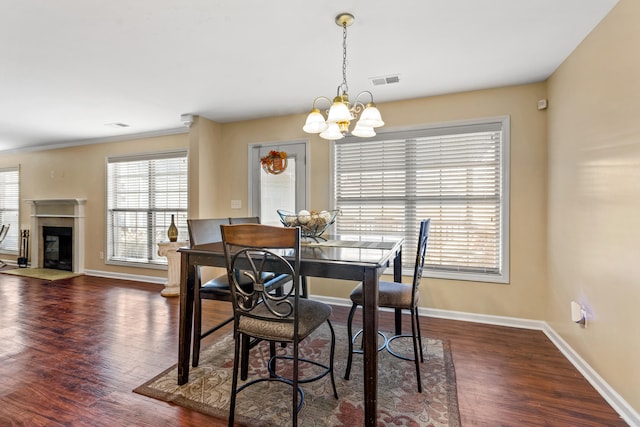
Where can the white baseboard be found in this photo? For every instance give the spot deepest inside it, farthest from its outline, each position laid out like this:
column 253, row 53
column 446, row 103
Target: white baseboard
column 621, row 406
column 121, row 276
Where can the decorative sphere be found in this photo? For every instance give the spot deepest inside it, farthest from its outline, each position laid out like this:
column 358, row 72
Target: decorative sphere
column 325, row 215
column 291, row 220
column 304, row 216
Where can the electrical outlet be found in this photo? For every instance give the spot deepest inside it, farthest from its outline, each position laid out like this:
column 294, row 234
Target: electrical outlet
column 578, row 314
column 101, row 255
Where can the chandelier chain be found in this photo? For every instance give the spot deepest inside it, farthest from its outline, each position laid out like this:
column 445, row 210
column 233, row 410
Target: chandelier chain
column 345, row 88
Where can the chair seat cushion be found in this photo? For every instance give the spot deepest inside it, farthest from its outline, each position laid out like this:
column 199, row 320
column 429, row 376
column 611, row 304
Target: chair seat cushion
column 219, row 286
column 312, row 314
column 390, row 295
column 216, row 287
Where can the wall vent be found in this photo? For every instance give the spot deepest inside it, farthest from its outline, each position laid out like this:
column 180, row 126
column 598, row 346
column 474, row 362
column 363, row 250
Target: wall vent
column 385, row 80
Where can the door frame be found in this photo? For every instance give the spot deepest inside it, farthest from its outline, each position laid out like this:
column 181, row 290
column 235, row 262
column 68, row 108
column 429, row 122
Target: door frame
column 253, row 161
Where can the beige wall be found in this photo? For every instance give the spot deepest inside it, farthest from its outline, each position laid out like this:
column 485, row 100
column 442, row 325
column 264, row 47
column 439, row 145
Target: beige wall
column 79, row 172
column 594, row 198
column 219, row 170
column 525, row 296
column 204, row 182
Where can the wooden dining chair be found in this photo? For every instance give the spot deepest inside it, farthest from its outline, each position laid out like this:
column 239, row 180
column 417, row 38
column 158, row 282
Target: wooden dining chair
column 258, row 313
column 244, row 220
column 202, row 231
column 275, row 283
column 399, row 296
column 256, row 220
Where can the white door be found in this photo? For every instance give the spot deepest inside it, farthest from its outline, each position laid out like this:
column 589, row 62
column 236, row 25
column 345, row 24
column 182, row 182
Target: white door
column 287, row 190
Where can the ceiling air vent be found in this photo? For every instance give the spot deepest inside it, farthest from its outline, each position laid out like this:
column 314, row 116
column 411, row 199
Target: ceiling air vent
column 117, row 125
column 385, row 80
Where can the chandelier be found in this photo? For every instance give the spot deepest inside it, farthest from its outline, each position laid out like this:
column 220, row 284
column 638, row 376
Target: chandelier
column 341, row 112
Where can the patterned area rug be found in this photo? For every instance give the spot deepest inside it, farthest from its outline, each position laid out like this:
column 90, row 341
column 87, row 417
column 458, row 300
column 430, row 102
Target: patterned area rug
column 41, row 273
column 268, row 403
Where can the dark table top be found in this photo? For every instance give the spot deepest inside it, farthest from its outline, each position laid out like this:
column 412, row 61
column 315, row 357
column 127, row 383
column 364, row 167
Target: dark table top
column 336, row 255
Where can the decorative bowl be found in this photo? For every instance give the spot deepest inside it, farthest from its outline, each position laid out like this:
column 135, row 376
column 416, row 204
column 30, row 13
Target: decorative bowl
column 312, row 224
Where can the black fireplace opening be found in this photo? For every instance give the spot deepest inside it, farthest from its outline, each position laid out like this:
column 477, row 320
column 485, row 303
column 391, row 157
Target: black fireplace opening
column 58, row 248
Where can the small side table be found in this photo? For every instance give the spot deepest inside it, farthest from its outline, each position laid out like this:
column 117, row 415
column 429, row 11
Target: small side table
column 169, row 250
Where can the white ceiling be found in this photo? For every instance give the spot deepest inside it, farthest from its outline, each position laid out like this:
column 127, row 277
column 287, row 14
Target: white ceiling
column 70, row 67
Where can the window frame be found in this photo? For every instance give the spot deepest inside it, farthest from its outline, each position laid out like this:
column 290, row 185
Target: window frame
column 181, row 213
column 503, row 122
column 13, row 235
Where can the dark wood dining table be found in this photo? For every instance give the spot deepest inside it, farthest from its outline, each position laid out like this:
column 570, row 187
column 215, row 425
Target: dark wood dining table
column 335, row 258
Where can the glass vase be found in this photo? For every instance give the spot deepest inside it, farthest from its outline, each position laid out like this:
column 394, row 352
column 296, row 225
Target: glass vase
column 172, row 232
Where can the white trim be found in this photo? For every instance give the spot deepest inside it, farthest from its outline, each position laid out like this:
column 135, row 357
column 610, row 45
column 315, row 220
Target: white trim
column 253, row 206
column 123, row 276
column 621, row 406
column 342, row 302
column 116, row 138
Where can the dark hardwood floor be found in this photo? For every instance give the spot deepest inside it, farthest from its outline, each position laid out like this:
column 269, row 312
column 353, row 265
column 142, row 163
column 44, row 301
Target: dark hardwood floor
column 71, row 351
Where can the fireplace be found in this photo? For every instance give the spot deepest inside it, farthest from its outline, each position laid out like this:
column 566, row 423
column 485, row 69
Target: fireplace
column 57, row 234
column 58, row 248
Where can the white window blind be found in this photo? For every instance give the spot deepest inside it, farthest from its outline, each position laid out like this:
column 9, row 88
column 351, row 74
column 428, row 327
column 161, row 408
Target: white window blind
column 142, row 193
column 456, row 175
column 10, row 208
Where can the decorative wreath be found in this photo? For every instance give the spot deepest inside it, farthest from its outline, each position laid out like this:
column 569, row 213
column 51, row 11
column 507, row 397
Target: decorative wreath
column 275, row 162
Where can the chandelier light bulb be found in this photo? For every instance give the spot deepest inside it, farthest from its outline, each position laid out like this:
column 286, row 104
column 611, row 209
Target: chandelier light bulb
column 371, row 117
column 315, row 122
column 339, row 111
column 363, row 131
column 332, row 133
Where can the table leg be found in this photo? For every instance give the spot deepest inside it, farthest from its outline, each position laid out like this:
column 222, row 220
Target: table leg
column 187, row 282
column 304, row 291
column 397, row 277
column 245, row 346
column 370, row 336
column 398, row 321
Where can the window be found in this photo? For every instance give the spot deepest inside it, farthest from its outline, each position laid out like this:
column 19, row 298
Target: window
column 142, row 193
column 457, row 175
column 9, row 208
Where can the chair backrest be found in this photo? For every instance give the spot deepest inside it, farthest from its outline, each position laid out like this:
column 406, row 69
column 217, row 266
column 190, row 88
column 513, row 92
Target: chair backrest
column 255, row 249
column 203, row 231
column 245, row 220
column 207, row 230
column 421, row 254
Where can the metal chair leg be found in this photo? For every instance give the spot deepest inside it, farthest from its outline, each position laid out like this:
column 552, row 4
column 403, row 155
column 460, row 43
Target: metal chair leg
column 347, row 372
column 234, row 382
column 414, row 334
column 419, row 334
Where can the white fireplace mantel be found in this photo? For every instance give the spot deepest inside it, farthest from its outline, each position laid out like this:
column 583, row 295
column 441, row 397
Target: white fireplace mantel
column 57, row 213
